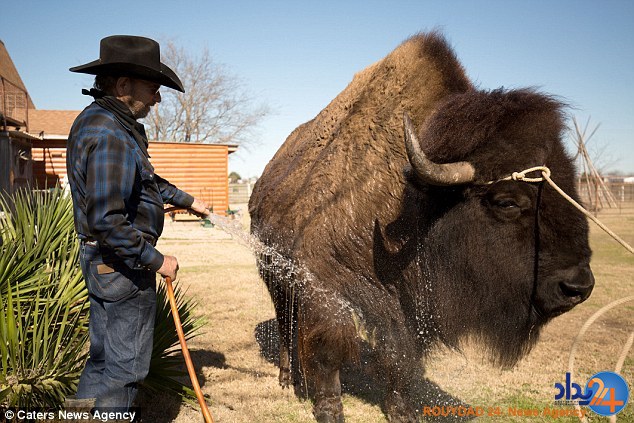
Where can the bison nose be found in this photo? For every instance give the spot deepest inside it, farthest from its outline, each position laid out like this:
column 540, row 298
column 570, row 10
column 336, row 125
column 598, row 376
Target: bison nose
column 580, row 285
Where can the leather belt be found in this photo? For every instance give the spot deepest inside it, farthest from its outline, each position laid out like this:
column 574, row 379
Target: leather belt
column 94, row 243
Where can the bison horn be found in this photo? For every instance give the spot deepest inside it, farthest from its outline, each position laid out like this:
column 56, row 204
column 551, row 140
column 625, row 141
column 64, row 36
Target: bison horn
column 429, row 172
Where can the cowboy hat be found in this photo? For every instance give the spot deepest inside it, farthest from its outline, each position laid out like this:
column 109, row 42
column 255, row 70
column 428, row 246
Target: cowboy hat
column 129, row 55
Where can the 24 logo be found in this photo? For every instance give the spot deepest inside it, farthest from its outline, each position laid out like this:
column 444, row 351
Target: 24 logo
column 606, row 393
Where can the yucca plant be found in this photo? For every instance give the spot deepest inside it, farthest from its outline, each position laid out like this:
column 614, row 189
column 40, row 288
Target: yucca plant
column 44, row 307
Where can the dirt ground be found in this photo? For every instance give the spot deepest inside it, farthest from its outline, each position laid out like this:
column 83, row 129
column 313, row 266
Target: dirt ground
column 235, row 355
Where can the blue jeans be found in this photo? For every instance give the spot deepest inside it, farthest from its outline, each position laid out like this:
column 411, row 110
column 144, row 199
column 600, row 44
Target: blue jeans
column 121, row 325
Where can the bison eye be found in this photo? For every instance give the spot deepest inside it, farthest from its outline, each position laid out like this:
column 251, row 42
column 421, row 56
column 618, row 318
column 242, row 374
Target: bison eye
column 508, row 202
column 506, row 209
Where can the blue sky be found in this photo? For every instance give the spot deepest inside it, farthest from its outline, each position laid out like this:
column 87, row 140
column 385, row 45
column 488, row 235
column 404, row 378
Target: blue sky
column 297, row 56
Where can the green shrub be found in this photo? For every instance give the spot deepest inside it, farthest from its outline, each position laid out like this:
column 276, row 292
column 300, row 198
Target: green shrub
column 44, row 307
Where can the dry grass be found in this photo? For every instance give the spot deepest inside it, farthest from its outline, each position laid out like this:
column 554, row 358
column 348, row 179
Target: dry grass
column 239, row 375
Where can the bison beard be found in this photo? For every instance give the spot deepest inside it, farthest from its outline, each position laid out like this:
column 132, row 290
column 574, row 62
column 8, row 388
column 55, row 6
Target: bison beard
column 393, row 253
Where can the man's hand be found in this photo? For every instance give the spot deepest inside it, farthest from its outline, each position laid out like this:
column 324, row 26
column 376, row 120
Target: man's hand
column 169, row 267
column 199, row 208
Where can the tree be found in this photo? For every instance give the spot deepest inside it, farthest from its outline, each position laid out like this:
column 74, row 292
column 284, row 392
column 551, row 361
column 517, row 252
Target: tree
column 215, row 107
column 234, row 177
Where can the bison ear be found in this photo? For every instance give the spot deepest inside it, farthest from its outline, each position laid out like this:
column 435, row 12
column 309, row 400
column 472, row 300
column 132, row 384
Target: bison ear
column 431, row 173
column 389, row 265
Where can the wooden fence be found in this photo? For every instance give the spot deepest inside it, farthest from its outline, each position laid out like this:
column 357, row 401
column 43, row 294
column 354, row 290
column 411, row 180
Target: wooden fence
column 622, row 195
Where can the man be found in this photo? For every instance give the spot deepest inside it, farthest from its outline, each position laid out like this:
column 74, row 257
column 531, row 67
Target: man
column 118, row 210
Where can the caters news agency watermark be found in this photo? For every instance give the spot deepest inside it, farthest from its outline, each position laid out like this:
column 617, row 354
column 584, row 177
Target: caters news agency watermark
column 67, row 415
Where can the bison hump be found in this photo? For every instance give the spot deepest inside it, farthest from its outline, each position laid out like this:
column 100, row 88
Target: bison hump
column 346, row 164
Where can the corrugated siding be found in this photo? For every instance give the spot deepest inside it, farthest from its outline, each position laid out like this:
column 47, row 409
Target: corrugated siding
column 199, row 169
column 49, row 162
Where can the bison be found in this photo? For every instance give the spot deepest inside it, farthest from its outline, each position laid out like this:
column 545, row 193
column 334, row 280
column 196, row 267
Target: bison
column 399, row 234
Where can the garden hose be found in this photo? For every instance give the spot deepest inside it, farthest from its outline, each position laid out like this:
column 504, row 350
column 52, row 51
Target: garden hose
column 188, row 359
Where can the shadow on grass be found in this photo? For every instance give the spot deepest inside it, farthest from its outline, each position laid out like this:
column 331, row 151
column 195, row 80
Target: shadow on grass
column 161, row 408
column 362, row 382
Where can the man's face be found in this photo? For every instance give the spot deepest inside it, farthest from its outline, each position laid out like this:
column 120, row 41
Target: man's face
column 142, row 96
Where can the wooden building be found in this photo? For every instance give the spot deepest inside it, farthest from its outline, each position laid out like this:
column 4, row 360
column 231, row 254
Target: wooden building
column 15, row 144
column 199, row 169
column 15, row 101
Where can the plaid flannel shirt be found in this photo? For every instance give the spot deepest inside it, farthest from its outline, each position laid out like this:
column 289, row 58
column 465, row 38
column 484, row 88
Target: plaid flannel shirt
column 117, row 198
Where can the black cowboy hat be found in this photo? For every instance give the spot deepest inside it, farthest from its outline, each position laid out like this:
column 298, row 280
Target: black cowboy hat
column 129, row 55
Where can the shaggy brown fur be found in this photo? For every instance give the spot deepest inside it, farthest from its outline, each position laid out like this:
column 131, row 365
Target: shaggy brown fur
column 384, row 261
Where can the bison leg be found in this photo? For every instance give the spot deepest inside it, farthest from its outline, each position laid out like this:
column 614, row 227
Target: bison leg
column 398, row 379
column 328, row 407
column 286, row 315
column 324, row 345
column 322, row 376
column 284, row 377
column 285, row 328
column 279, row 283
column 400, row 365
column 398, row 410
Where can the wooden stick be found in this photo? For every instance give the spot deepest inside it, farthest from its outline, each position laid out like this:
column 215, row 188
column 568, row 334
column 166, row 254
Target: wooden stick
column 188, row 359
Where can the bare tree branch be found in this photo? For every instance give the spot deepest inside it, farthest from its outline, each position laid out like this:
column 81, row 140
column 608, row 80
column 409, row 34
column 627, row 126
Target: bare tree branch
column 215, row 107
